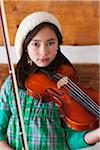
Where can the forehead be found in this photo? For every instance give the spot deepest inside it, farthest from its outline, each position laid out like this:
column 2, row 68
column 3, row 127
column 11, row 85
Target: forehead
column 45, row 33
column 46, row 29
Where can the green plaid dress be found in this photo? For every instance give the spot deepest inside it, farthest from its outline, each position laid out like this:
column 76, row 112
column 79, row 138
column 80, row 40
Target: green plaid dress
column 42, row 123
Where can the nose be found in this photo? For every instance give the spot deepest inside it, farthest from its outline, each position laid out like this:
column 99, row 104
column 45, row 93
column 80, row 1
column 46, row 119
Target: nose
column 43, row 50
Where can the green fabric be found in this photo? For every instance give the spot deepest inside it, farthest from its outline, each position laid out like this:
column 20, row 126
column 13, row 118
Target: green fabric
column 43, row 125
column 4, row 115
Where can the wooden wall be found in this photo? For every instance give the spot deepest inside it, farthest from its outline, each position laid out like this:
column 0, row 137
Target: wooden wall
column 79, row 19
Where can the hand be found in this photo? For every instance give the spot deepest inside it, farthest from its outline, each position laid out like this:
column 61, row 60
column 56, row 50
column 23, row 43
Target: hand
column 93, row 136
column 4, row 146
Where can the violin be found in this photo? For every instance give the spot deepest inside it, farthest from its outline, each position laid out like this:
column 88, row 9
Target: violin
column 78, row 105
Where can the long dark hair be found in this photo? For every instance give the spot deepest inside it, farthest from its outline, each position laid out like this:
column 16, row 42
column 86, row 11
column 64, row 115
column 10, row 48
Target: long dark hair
column 23, row 68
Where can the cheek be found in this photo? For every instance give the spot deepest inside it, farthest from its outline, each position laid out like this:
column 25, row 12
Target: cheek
column 53, row 51
column 32, row 54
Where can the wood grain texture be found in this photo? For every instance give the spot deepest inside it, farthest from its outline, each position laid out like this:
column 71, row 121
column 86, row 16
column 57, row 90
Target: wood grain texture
column 80, row 20
column 88, row 74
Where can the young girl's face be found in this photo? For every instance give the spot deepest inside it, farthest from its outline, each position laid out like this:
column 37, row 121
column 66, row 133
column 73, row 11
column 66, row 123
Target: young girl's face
column 42, row 49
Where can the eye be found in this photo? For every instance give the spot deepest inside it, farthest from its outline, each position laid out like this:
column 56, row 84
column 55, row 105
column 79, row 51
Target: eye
column 51, row 43
column 35, row 44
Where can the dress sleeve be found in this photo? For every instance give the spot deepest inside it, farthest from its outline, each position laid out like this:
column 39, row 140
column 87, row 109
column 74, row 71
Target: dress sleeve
column 75, row 139
column 4, row 109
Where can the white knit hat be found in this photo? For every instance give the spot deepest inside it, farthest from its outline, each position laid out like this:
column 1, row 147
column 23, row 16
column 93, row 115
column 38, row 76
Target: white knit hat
column 28, row 24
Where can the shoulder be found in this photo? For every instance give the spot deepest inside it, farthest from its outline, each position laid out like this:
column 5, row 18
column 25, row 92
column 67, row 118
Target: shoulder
column 7, row 84
column 7, row 80
column 7, row 89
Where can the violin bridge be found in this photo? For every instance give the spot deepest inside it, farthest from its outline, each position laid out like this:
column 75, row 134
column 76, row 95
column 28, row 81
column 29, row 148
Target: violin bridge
column 63, row 81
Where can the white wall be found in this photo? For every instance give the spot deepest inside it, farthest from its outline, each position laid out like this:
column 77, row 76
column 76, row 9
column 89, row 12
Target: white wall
column 82, row 54
column 76, row 54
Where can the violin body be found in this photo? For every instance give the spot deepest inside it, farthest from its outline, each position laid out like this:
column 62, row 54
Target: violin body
column 73, row 113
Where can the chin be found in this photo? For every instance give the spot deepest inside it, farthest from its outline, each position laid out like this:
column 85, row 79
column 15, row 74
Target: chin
column 43, row 65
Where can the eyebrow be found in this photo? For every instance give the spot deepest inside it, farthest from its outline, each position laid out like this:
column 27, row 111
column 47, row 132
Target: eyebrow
column 36, row 40
column 51, row 40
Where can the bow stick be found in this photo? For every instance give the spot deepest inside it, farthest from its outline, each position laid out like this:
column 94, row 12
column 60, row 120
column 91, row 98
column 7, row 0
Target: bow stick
column 13, row 77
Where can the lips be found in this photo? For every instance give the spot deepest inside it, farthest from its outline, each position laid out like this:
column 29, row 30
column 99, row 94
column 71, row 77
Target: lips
column 44, row 59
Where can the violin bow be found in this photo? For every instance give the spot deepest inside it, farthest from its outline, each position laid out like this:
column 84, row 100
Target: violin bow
column 12, row 73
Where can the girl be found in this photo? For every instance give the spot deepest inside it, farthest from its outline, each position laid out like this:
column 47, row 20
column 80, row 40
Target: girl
column 37, row 45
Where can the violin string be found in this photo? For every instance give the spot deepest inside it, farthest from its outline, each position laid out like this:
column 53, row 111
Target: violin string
column 87, row 105
column 87, row 97
column 81, row 92
column 89, row 101
column 84, row 97
column 82, row 102
column 78, row 90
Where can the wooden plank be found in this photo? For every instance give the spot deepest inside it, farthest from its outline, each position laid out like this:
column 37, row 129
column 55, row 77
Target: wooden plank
column 79, row 19
column 89, row 75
